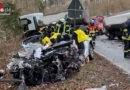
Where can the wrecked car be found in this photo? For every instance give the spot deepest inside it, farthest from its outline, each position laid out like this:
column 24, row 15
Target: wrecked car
column 55, row 64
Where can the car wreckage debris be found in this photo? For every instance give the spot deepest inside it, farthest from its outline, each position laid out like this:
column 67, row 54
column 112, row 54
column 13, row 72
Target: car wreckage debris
column 10, row 80
column 1, row 73
column 55, row 64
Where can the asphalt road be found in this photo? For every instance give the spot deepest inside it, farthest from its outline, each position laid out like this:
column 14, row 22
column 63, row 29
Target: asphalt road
column 53, row 18
column 112, row 50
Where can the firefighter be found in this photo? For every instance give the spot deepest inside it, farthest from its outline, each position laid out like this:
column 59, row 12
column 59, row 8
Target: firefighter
column 92, row 30
column 126, row 38
column 87, row 30
column 45, row 34
column 68, row 26
column 45, row 30
column 55, row 38
column 52, row 27
column 81, row 42
column 97, row 30
column 42, row 30
column 60, row 26
column 63, row 27
column 47, row 42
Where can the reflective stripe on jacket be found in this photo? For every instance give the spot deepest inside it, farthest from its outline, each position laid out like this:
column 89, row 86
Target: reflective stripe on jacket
column 41, row 30
column 92, row 29
column 53, row 30
column 125, row 36
column 58, row 27
column 63, row 28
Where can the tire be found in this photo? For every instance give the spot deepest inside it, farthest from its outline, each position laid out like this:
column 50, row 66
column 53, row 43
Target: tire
column 111, row 36
column 100, row 32
column 119, row 37
column 91, row 52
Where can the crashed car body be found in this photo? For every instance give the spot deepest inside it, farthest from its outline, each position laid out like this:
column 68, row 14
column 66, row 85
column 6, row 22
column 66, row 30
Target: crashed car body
column 55, row 64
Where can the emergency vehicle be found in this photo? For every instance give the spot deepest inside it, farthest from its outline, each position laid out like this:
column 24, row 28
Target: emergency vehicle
column 98, row 20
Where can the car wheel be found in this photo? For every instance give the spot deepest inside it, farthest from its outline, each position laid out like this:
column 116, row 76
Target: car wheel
column 111, row 36
column 91, row 53
column 120, row 37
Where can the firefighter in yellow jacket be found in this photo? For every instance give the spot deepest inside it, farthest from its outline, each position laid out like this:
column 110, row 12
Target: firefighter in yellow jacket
column 47, row 42
column 126, row 38
column 55, row 38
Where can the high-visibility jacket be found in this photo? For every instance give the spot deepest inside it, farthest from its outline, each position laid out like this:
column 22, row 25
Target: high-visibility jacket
column 63, row 28
column 41, row 30
column 97, row 29
column 126, row 35
column 81, row 36
column 46, row 40
column 53, row 29
column 58, row 28
column 92, row 29
column 68, row 28
column 87, row 30
column 55, row 36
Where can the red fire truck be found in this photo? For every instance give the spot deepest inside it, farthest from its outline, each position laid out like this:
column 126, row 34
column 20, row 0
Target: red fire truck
column 99, row 23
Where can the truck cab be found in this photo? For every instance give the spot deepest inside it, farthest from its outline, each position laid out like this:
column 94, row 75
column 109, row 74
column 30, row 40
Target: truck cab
column 32, row 23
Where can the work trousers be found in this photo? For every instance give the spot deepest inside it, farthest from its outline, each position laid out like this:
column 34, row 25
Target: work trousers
column 126, row 47
column 93, row 36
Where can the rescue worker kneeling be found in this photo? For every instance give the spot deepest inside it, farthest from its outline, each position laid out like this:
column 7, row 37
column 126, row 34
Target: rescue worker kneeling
column 81, row 42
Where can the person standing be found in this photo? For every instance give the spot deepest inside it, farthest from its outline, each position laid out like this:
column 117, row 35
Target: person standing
column 92, row 30
column 126, row 38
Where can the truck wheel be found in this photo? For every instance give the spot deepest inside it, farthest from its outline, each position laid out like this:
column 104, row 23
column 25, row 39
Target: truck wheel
column 100, row 32
column 111, row 36
column 91, row 53
column 120, row 37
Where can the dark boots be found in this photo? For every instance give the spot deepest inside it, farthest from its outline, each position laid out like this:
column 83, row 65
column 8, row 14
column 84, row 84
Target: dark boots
column 126, row 55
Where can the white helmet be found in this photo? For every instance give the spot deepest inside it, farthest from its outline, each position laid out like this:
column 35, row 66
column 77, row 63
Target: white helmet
column 62, row 19
column 91, row 21
column 53, row 22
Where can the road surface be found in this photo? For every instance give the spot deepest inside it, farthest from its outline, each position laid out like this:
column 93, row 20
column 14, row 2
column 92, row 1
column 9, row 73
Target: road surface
column 113, row 51
column 53, row 18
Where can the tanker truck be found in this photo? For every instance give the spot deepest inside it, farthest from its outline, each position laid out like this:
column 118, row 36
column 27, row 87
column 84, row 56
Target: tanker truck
column 114, row 24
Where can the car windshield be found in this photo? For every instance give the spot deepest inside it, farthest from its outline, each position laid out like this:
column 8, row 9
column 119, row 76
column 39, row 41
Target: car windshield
column 95, row 21
column 24, row 22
